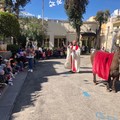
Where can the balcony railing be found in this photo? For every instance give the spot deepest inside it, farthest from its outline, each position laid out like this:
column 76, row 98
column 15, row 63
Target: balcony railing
column 117, row 19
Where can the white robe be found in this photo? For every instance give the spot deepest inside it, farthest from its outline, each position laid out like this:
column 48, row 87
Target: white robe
column 73, row 59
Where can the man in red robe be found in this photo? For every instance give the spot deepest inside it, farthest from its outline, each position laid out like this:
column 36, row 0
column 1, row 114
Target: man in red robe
column 73, row 57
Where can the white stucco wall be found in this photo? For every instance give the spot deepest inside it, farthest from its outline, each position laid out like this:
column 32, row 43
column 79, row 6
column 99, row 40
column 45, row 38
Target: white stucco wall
column 108, row 35
column 89, row 25
column 111, row 27
column 62, row 29
column 71, row 37
column 55, row 28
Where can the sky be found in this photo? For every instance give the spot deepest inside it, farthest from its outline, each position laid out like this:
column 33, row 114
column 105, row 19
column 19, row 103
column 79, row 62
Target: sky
column 58, row 11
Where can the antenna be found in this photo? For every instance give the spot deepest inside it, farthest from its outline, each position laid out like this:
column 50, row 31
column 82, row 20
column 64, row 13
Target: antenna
column 42, row 12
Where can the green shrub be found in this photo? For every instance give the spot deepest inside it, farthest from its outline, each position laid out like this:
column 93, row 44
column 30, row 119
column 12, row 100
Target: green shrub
column 12, row 48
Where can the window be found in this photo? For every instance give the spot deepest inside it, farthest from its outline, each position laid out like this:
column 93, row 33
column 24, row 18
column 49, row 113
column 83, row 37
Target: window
column 58, row 42
column 46, row 42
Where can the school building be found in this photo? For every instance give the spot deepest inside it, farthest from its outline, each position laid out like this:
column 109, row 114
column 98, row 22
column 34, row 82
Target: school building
column 61, row 30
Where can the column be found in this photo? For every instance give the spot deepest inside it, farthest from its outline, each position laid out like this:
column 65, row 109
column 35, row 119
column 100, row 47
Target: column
column 51, row 42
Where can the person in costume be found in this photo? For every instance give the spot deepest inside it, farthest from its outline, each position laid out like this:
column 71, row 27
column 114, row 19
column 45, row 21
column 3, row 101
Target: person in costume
column 73, row 57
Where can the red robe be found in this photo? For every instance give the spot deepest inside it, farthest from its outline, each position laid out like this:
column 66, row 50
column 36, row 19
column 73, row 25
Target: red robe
column 75, row 58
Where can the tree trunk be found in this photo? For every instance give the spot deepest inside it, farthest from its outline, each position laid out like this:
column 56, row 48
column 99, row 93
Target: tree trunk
column 14, row 41
column 17, row 9
column 78, row 33
column 98, row 37
column 17, row 13
column 4, row 39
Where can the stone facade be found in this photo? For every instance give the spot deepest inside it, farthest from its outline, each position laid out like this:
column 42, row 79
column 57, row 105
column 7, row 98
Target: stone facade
column 110, row 30
column 61, row 30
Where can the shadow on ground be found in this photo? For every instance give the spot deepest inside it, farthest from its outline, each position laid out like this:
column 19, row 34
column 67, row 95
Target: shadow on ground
column 33, row 84
column 34, row 81
column 103, row 83
column 86, row 67
column 87, row 71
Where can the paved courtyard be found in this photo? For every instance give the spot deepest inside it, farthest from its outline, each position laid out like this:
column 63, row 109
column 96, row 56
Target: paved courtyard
column 53, row 93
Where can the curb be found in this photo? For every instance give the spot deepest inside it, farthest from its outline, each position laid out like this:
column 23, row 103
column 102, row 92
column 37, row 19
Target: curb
column 10, row 94
column 2, row 92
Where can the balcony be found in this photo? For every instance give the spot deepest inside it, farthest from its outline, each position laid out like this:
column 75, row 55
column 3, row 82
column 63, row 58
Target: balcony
column 116, row 21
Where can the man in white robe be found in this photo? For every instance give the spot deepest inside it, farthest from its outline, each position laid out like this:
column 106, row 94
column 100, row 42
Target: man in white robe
column 73, row 57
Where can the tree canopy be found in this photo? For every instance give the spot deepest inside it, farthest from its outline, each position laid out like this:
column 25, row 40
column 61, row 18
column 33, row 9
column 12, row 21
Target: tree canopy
column 9, row 25
column 101, row 17
column 75, row 10
column 15, row 5
column 32, row 28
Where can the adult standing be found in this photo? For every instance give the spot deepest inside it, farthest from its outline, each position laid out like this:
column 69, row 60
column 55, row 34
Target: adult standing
column 30, row 56
column 73, row 57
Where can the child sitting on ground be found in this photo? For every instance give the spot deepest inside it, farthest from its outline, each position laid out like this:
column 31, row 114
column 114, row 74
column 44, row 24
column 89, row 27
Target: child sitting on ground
column 8, row 72
column 15, row 67
column 2, row 72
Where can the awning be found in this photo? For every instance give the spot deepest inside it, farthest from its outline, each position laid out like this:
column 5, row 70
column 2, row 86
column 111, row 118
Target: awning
column 90, row 34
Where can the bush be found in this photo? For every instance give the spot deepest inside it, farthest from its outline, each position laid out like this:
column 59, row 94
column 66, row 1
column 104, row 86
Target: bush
column 13, row 48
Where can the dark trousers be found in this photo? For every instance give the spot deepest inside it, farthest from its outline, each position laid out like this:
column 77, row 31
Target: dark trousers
column 30, row 63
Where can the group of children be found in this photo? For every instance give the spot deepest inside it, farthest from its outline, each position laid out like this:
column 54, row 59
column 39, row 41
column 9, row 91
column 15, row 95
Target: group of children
column 48, row 53
column 10, row 67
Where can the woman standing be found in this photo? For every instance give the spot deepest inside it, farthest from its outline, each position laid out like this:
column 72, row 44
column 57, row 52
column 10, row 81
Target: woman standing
column 30, row 56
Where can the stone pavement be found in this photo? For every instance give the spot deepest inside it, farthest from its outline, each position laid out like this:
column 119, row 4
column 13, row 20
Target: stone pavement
column 10, row 94
column 53, row 93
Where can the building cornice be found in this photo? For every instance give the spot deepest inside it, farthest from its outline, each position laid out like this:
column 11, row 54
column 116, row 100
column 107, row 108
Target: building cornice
column 90, row 22
column 66, row 21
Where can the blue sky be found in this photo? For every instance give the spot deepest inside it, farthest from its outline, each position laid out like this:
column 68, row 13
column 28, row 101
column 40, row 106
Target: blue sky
column 58, row 12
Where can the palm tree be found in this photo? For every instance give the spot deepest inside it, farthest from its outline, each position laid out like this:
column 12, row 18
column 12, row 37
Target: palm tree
column 75, row 10
column 101, row 17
